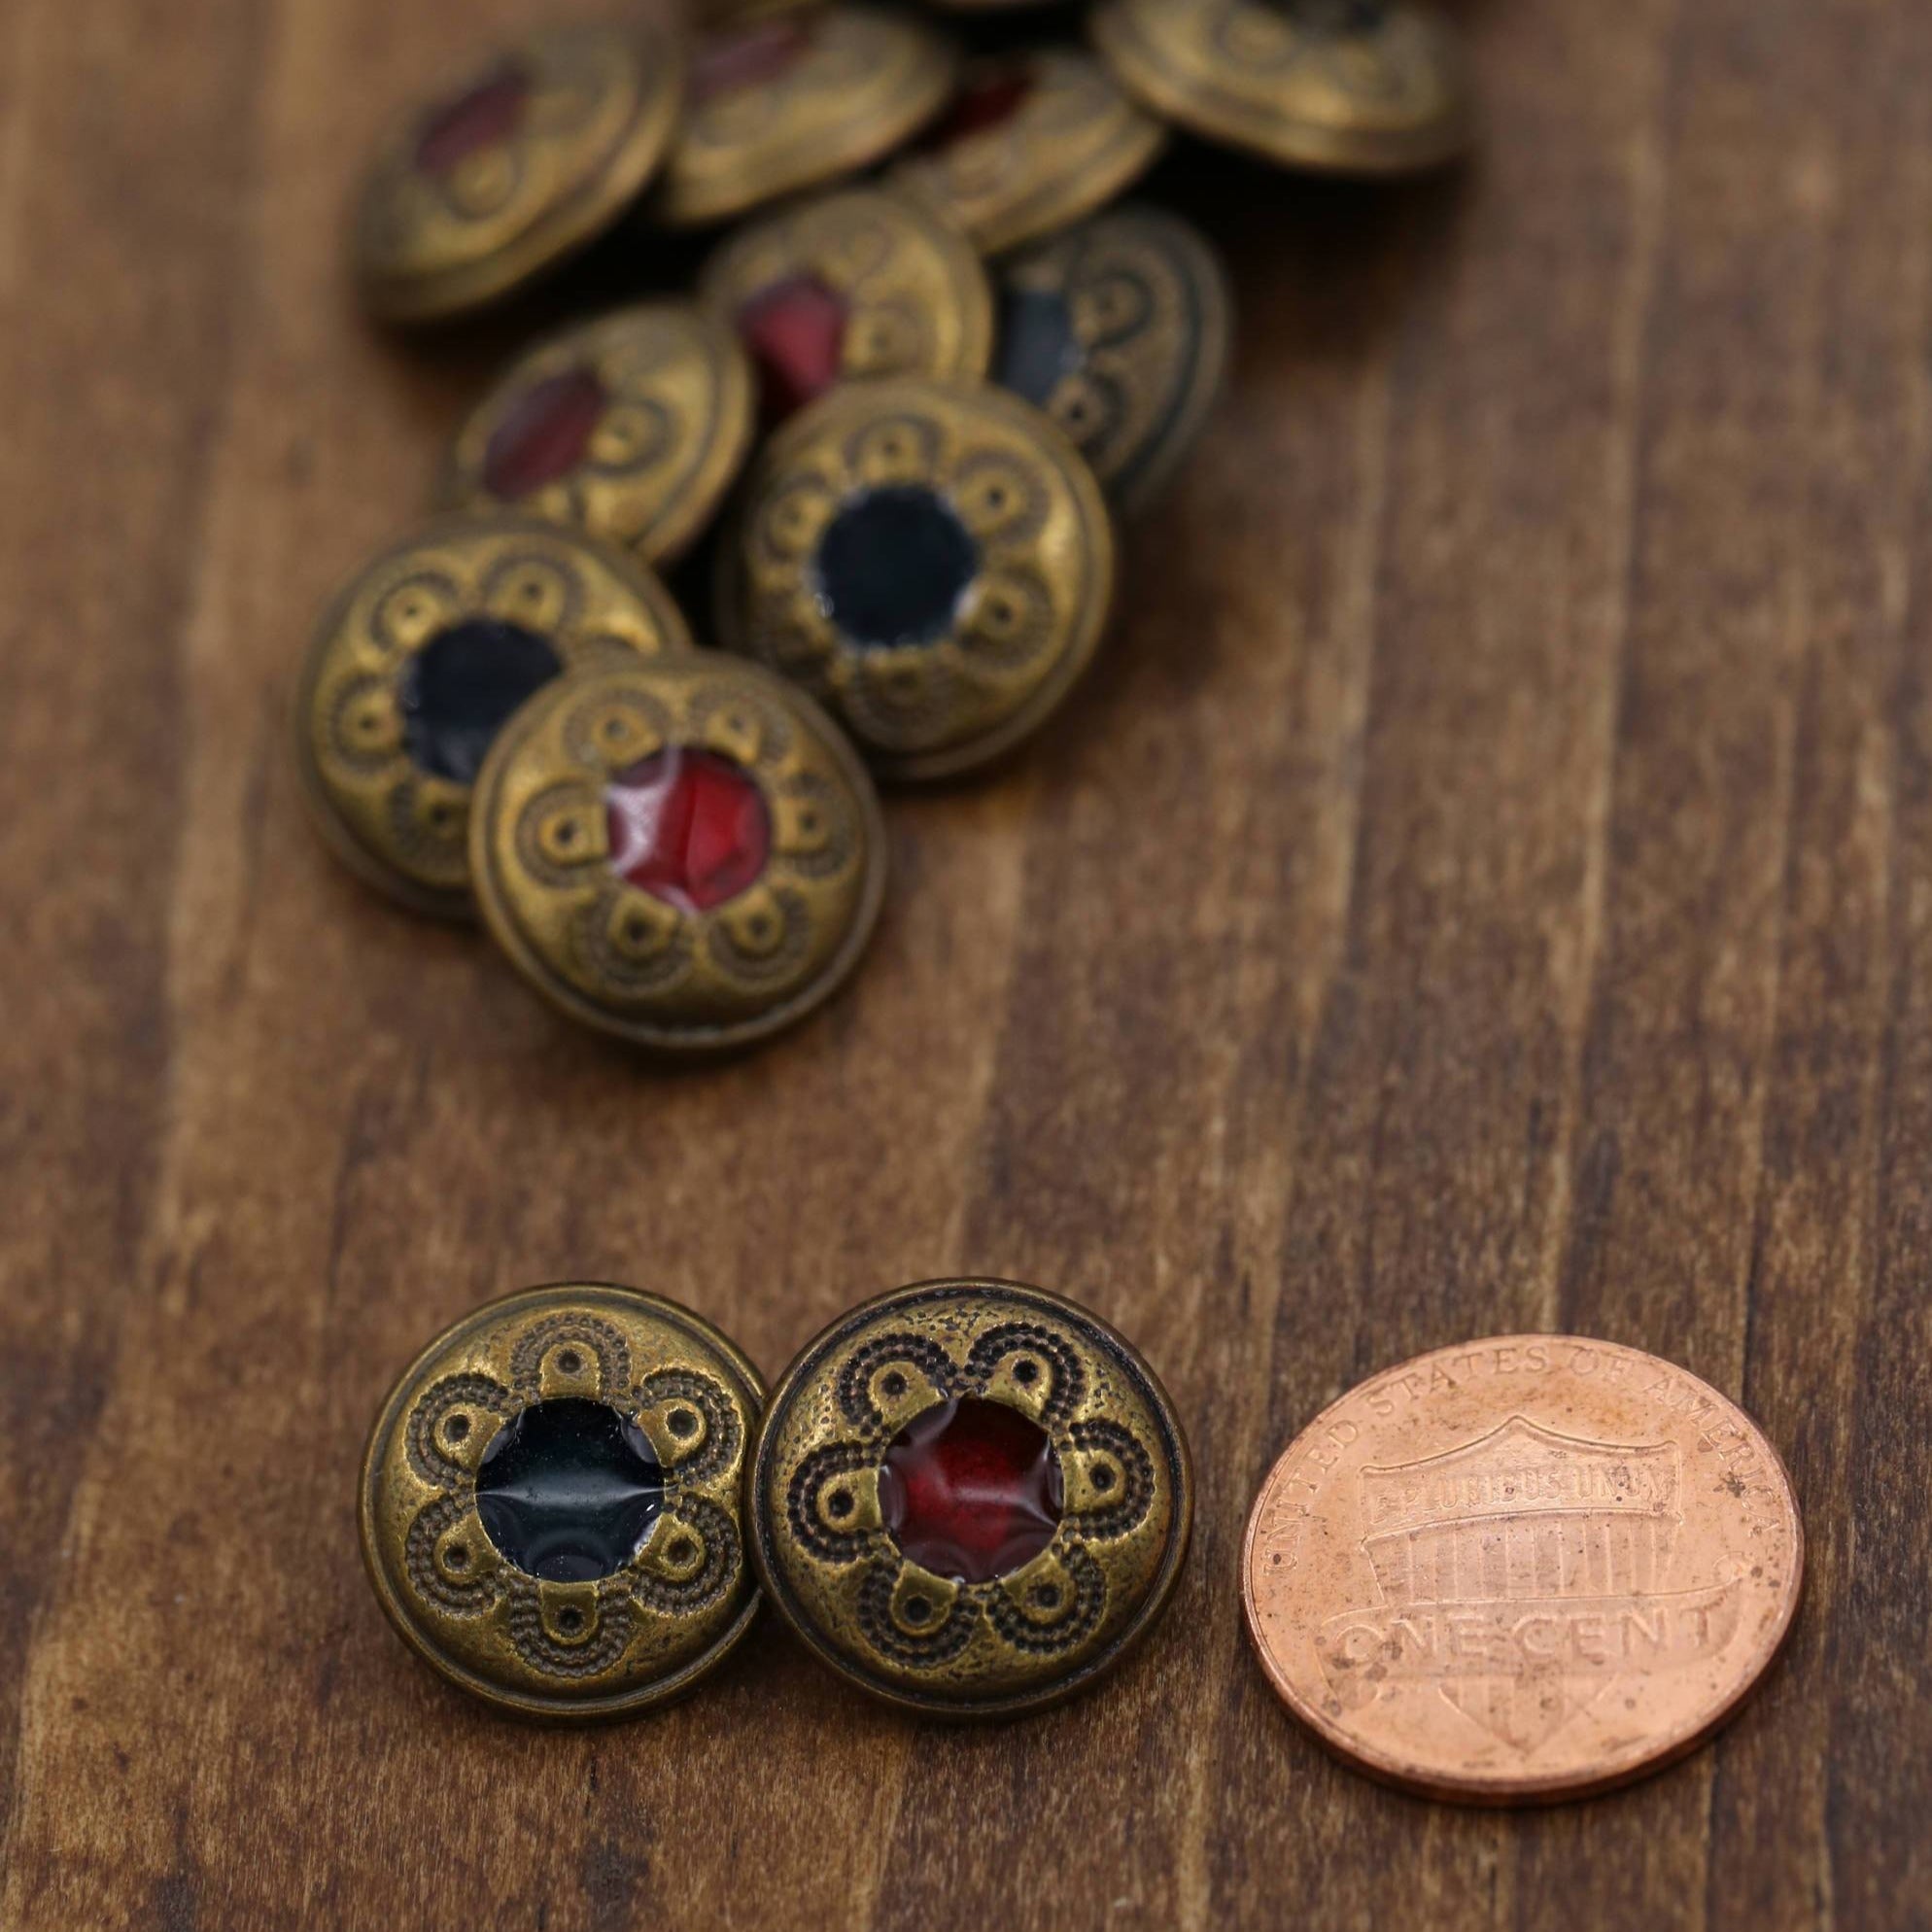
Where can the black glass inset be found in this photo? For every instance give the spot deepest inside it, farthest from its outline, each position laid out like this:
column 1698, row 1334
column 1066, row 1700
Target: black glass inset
column 1038, row 348
column 569, row 1490
column 893, row 565
column 459, row 690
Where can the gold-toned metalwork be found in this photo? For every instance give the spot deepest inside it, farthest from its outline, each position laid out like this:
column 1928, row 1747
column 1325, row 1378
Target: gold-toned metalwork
column 916, row 295
column 391, row 816
column 660, row 967
column 1035, row 141
column 515, row 166
column 646, row 464
column 1020, row 632
column 600, row 1647
column 1120, row 331
column 935, row 1644
column 797, row 101
column 1349, row 86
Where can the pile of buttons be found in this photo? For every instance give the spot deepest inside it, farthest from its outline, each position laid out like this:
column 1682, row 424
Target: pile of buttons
column 911, row 391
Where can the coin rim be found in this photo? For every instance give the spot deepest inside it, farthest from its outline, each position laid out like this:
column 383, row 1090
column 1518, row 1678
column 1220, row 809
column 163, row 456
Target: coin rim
column 760, row 1519
column 524, row 1704
column 1549, row 1787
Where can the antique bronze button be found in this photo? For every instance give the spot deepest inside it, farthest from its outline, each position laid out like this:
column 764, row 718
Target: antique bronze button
column 684, row 853
column 970, row 1498
column 552, row 1500
column 861, row 282
column 419, row 661
column 632, row 427
column 1032, row 142
column 795, row 101
column 1119, row 329
column 1355, row 87
column 935, row 562
column 515, row 167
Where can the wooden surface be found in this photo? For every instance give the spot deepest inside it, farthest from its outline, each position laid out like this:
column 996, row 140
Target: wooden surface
column 1487, row 886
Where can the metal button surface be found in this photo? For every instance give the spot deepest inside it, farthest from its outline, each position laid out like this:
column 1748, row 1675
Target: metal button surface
column 551, row 1502
column 1353, row 87
column 796, row 101
column 420, row 660
column 1120, row 331
column 970, row 1498
column 1032, row 142
column 860, row 282
column 935, row 562
column 513, row 166
column 632, row 427
column 685, row 853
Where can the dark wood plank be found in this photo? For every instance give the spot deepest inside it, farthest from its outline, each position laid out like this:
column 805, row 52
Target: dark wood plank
column 1487, row 884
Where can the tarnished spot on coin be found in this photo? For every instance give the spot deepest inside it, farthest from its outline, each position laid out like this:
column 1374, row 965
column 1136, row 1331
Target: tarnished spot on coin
column 1524, row 1568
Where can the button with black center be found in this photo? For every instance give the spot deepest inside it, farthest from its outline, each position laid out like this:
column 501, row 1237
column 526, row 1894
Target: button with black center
column 420, row 658
column 1032, row 142
column 1342, row 87
column 1119, row 329
column 551, row 1502
column 970, row 1498
column 861, row 282
column 797, row 101
column 687, row 853
column 933, row 561
column 513, row 167
column 631, row 428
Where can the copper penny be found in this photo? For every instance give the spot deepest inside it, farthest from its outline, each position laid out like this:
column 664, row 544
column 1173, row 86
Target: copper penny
column 1524, row 1568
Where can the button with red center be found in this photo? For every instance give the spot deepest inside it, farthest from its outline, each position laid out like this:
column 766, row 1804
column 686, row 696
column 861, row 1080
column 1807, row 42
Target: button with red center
column 552, row 1500
column 860, row 282
column 933, row 562
column 779, row 105
column 420, row 658
column 686, row 855
column 632, row 427
column 514, row 167
column 1340, row 86
column 970, row 1498
column 1032, row 142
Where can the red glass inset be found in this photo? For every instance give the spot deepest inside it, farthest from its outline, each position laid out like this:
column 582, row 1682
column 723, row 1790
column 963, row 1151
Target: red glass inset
column 971, row 1488
column 543, row 433
column 795, row 330
column 989, row 102
column 485, row 116
column 726, row 62
column 688, row 827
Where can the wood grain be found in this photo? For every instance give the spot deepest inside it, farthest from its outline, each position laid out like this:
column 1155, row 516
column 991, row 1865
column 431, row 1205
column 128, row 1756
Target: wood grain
column 1488, row 886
